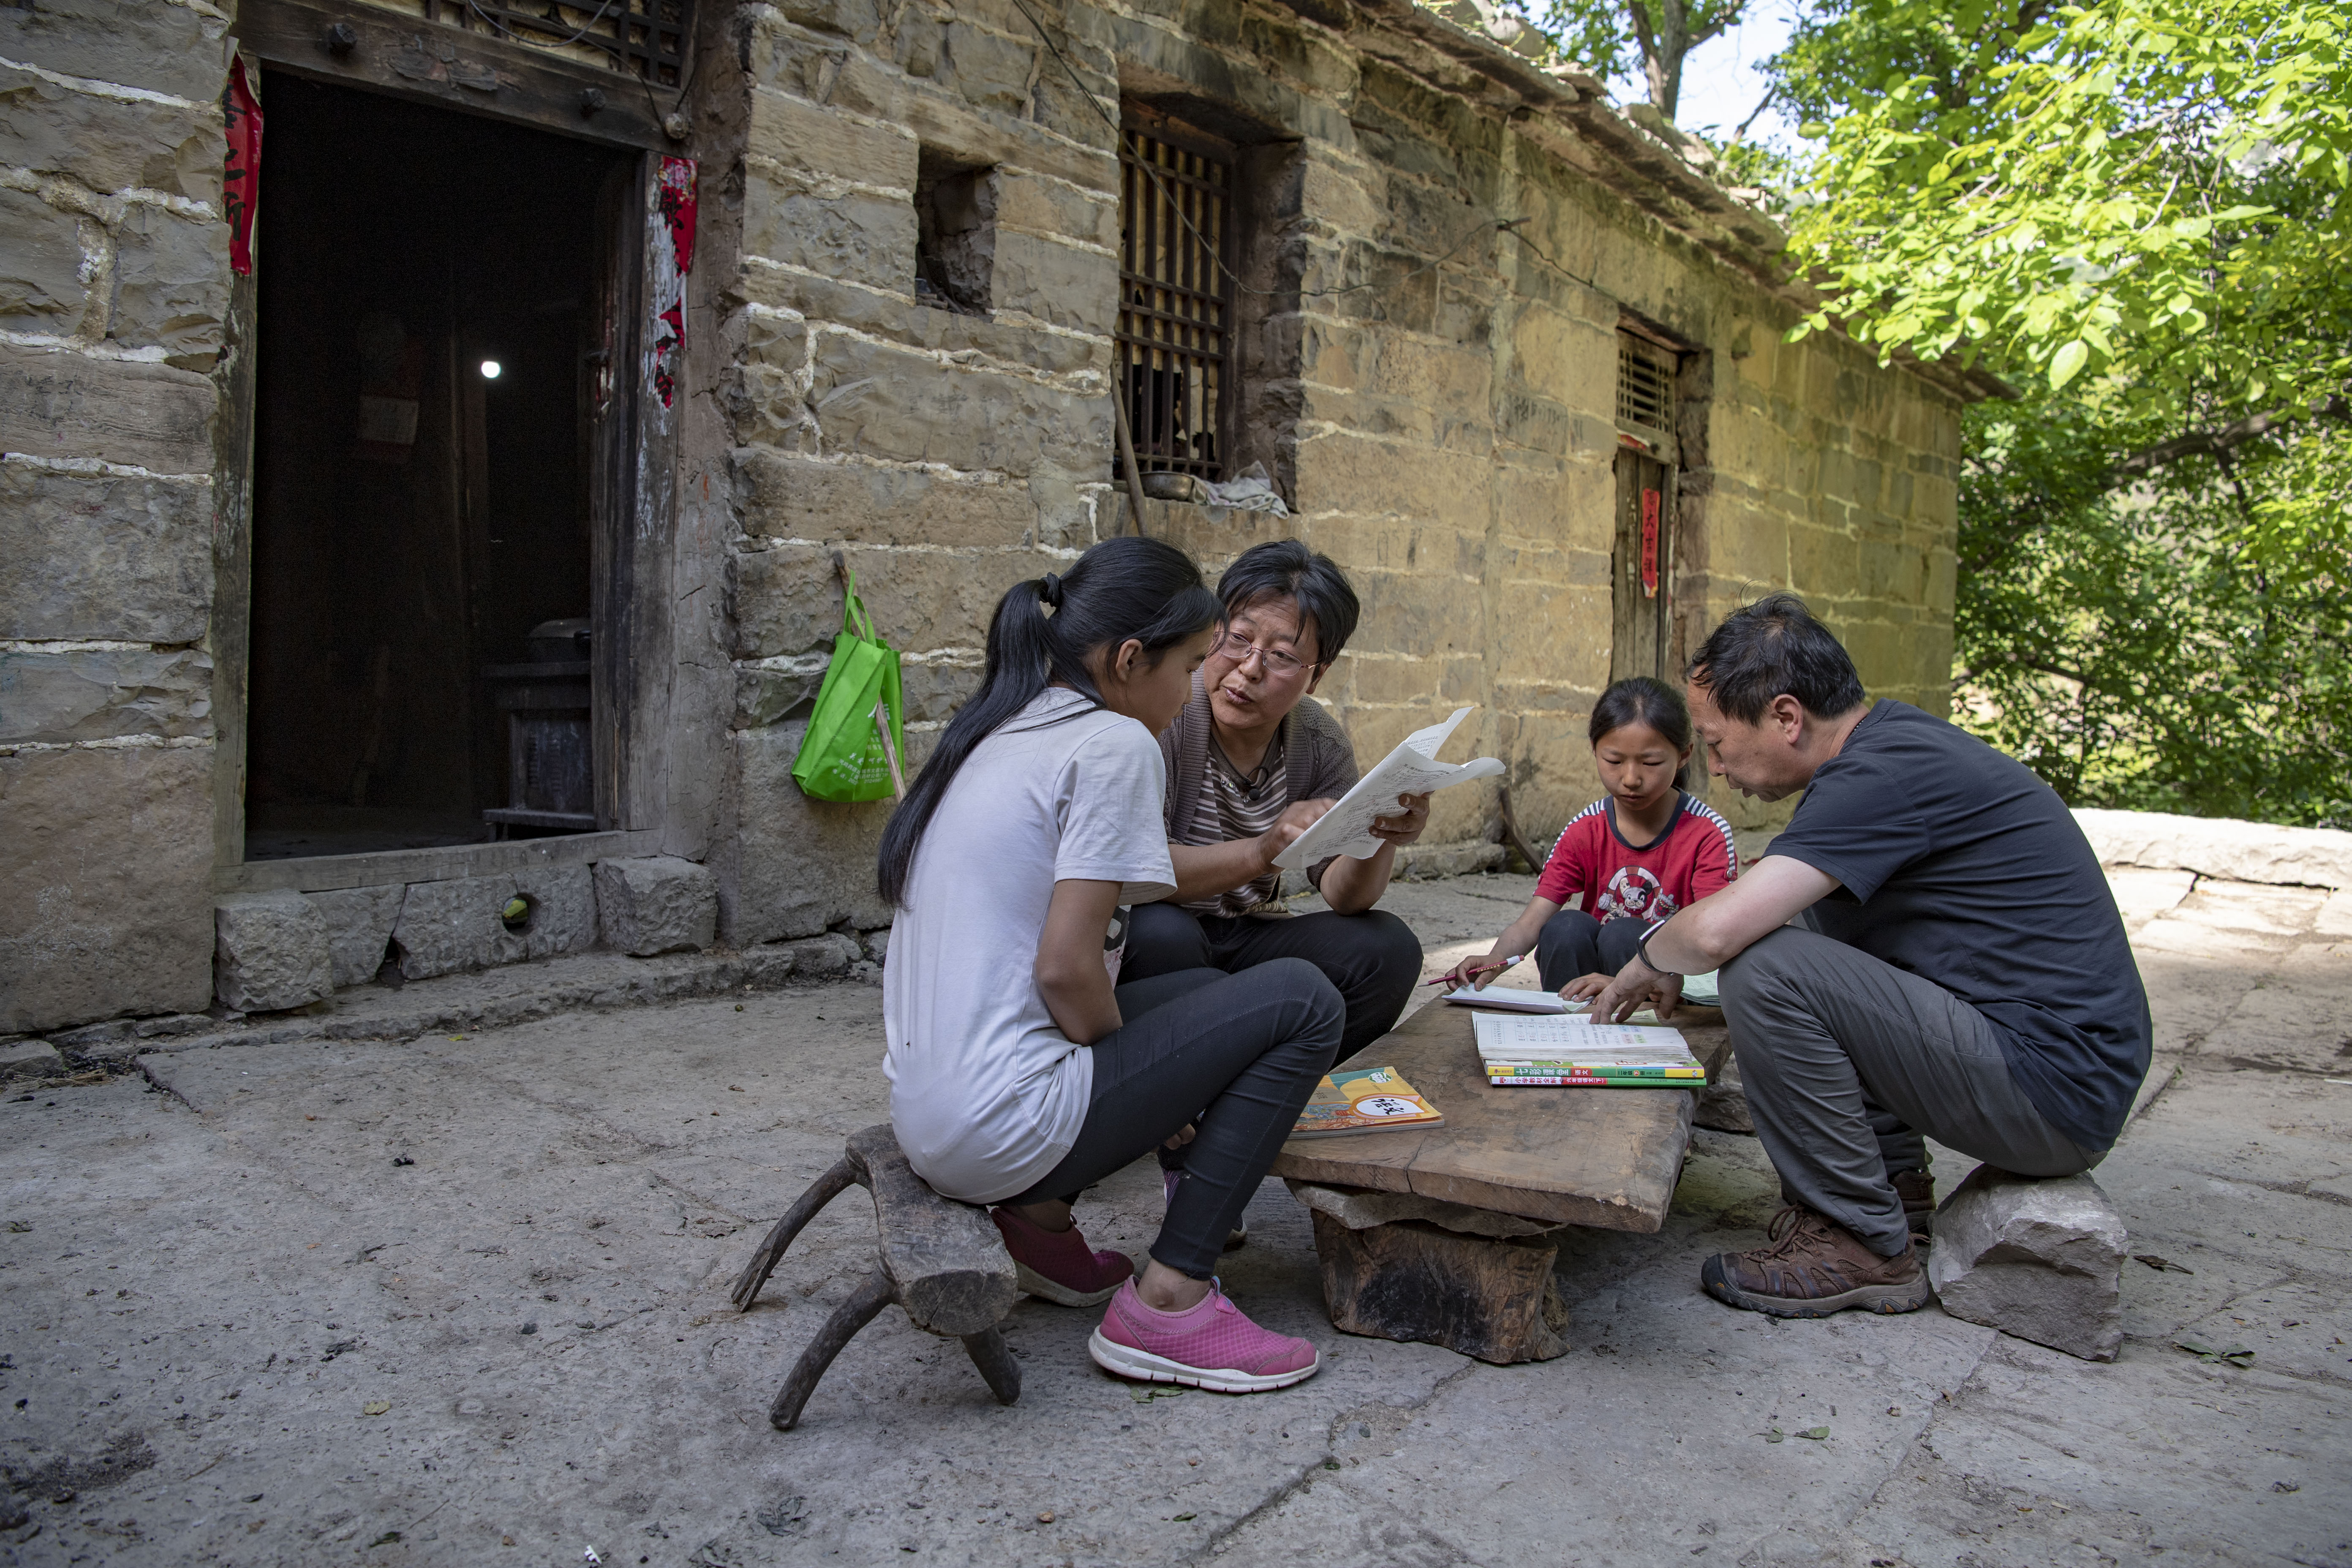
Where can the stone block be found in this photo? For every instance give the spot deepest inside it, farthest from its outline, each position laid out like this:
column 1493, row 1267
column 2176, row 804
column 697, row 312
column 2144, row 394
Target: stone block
column 1722, row 1104
column 107, row 854
column 1059, row 284
column 170, row 285
column 793, row 498
column 793, row 867
column 29, row 1058
column 658, row 903
column 850, row 235
column 451, row 926
column 826, row 957
column 989, row 70
column 270, row 952
column 562, row 916
column 359, row 928
column 1361, row 1208
column 58, row 403
column 2039, row 1260
column 165, row 48
column 41, row 288
column 109, row 143
column 92, row 694
column 98, row 557
column 804, row 136
column 1053, row 207
column 880, row 400
column 2220, row 847
column 789, row 602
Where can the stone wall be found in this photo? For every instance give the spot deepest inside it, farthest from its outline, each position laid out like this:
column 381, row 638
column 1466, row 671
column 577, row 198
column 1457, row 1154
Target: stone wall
column 114, row 289
column 1434, row 394
column 1441, row 395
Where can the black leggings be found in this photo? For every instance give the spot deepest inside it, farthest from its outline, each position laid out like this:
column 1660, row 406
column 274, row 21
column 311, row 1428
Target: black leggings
column 1573, row 943
column 1250, row 1047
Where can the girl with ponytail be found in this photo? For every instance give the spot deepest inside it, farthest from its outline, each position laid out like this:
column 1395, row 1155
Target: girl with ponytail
column 1021, row 1072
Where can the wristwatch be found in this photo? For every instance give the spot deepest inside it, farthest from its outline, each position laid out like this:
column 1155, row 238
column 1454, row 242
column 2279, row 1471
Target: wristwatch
column 1642, row 947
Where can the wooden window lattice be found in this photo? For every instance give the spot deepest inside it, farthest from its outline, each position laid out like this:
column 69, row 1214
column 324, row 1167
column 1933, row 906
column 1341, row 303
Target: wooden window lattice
column 643, row 38
column 1645, row 385
column 1175, row 300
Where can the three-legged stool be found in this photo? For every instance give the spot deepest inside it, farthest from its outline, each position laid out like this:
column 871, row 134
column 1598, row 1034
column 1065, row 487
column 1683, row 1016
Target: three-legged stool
column 941, row 1260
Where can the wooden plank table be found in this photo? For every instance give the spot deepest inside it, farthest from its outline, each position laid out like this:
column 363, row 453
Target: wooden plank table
column 1443, row 1233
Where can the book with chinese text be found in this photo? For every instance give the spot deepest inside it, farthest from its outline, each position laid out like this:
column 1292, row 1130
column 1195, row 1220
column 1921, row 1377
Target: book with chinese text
column 1369, row 1099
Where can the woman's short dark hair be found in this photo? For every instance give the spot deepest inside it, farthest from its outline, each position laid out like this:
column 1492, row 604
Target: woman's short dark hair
column 1286, row 569
column 1126, row 587
column 1774, row 647
column 1642, row 699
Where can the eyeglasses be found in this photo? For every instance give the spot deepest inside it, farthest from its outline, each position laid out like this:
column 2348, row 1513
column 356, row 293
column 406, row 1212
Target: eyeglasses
column 1238, row 649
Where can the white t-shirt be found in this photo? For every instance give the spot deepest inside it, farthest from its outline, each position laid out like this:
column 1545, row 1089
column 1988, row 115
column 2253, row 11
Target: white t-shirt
column 986, row 1094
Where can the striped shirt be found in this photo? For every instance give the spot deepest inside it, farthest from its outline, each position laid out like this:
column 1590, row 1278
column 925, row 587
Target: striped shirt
column 1236, row 806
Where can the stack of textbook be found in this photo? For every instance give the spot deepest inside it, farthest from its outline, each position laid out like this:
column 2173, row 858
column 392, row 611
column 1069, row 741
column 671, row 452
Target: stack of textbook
column 1518, row 1051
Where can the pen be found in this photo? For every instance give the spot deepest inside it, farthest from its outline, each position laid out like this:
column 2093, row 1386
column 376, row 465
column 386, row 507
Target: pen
column 1499, row 969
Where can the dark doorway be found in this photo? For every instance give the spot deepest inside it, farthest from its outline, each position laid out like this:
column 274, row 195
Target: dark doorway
column 432, row 350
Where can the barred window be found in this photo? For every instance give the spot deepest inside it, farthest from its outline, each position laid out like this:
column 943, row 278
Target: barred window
column 1176, row 246
column 1646, row 384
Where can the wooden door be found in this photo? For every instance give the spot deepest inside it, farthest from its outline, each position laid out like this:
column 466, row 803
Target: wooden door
column 1640, row 568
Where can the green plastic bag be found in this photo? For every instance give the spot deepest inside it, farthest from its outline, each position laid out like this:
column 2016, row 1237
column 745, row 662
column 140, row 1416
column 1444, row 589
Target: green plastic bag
column 847, row 753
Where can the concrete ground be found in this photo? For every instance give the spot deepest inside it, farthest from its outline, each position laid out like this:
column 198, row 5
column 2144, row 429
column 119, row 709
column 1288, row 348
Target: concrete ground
column 462, row 1300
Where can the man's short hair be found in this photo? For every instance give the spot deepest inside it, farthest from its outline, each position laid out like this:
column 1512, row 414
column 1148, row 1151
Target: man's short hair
column 1286, row 569
column 1771, row 649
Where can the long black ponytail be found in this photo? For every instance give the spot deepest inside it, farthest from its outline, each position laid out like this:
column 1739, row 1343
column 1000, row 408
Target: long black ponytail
column 1123, row 588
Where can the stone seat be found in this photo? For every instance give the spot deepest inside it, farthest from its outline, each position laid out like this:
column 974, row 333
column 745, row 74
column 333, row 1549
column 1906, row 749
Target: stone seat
column 941, row 1260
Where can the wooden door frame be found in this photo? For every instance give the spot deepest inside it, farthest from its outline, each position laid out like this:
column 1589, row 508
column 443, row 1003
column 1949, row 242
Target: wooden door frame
column 632, row 490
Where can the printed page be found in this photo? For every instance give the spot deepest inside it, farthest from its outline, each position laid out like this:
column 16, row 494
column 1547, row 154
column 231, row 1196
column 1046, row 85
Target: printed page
column 1412, row 769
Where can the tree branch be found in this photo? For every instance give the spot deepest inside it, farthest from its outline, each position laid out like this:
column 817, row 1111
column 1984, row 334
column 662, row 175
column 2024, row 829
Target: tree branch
column 2222, row 441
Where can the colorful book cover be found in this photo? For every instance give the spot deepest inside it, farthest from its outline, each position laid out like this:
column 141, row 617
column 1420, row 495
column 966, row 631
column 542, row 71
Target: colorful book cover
column 1496, row 1067
column 1566, row 1080
column 1369, row 1099
column 1512, row 1039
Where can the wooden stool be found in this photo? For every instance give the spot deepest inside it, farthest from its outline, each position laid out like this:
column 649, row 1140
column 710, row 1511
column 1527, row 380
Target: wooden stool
column 941, row 1260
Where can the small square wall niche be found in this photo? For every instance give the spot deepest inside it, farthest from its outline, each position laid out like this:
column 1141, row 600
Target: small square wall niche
column 955, row 233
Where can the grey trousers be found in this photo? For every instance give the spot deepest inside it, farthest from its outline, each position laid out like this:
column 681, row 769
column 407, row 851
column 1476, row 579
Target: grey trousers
column 1847, row 1060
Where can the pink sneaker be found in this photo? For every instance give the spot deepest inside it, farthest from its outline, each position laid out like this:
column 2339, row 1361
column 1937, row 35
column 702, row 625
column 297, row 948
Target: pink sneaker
column 1057, row 1265
column 1208, row 1345
column 1237, row 1236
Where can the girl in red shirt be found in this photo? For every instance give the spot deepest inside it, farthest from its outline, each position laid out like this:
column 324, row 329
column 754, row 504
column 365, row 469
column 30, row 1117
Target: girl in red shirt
column 1633, row 857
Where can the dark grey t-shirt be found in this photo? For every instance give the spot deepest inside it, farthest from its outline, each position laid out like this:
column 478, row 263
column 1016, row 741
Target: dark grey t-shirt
column 1958, row 863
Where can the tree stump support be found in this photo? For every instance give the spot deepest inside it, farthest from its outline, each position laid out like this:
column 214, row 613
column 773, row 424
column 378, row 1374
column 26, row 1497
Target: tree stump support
column 941, row 1260
column 1403, row 1265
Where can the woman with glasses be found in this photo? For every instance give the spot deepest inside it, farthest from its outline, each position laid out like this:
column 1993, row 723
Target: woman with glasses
column 1250, row 766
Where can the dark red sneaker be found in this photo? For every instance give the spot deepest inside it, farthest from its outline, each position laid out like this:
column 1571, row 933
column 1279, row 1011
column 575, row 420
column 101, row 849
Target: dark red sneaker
column 1057, row 1265
column 1813, row 1266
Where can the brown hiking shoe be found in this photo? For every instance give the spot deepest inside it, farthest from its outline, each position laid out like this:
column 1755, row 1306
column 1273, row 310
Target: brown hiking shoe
column 1811, row 1268
column 1917, row 1190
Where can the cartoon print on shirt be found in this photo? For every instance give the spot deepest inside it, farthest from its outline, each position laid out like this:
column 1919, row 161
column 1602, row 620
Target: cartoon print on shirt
column 1634, row 893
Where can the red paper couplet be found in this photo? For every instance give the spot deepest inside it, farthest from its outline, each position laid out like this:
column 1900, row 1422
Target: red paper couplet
column 676, row 200
column 241, row 170
column 1648, row 544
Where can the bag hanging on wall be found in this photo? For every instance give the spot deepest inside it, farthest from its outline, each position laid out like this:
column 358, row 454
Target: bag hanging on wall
column 856, row 735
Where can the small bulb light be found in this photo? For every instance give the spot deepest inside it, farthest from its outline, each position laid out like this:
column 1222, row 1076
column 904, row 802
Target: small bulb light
column 490, row 368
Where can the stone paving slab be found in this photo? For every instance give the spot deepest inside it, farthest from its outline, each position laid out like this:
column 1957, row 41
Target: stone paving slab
column 222, row 1270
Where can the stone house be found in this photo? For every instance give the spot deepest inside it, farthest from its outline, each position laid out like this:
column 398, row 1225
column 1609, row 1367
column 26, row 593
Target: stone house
column 435, row 573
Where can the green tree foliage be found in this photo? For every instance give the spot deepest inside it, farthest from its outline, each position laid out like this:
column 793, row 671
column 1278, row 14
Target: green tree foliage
column 1610, row 37
column 2137, row 212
